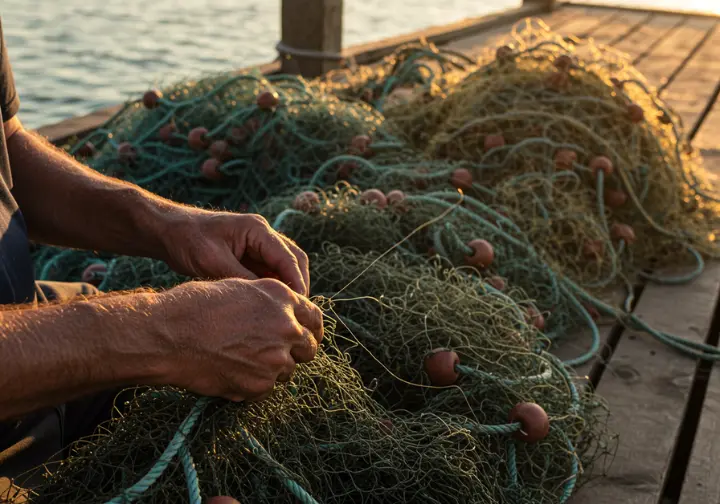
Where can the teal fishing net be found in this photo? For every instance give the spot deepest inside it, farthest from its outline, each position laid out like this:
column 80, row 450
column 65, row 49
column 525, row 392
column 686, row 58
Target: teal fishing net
column 575, row 180
column 366, row 421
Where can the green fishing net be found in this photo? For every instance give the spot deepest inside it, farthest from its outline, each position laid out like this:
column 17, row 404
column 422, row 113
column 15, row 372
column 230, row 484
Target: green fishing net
column 551, row 152
column 362, row 422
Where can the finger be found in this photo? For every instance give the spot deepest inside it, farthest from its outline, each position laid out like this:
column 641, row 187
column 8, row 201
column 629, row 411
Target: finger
column 286, row 375
column 272, row 250
column 229, row 267
column 259, row 268
column 310, row 316
column 261, row 397
column 305, row 347
column 303, row 262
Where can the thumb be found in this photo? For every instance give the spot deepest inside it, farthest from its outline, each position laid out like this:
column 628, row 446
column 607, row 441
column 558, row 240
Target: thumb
column 221, row 500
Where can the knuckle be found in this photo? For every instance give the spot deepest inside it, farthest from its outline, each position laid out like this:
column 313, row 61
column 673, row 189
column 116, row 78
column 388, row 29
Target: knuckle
column 302, row 255
column 275, row 288
column 258, row 220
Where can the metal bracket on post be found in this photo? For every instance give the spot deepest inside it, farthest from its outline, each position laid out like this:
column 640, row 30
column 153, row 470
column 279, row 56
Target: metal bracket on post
column 311, row 42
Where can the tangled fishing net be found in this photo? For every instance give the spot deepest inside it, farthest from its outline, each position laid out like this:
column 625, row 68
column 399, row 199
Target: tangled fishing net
column 575, row 180
column 387, row 429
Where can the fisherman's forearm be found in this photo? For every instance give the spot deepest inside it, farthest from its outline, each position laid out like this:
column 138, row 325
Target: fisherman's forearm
column 67, row 204
column 57, row 353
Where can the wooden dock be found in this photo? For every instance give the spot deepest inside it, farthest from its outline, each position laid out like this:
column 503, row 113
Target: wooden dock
column 664, row 406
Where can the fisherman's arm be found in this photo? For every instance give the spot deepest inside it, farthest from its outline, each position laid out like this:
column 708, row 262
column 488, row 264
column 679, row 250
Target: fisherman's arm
column 67, row 204
column 232, row 339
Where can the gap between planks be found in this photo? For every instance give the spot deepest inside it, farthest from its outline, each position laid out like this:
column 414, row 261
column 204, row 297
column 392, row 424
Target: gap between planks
column 647, row 373
column 693, row 473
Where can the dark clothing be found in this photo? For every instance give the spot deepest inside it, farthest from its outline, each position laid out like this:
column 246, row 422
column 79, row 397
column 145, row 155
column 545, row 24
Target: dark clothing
column 16, row 272
column 41, row 436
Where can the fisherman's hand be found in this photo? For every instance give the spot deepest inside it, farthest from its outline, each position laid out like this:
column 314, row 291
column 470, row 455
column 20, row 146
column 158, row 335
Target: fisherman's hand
column 225, row 245
column 236, row 338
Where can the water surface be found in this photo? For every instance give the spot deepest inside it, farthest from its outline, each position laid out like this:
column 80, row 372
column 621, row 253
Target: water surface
column 73, row 56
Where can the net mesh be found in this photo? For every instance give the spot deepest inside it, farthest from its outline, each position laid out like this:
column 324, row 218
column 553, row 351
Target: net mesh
column 362, row 423
column 571, row 169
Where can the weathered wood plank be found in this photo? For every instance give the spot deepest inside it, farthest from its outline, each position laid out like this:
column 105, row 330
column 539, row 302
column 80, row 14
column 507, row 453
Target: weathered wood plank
column 579, row 342
column 649, row 35
column 585, row 25
column 477, row 43
column 59, row 132
column 613, row 30
column 701, row 482
column 601, row 4
column 670, row 52
column 709, row 135
column 646, row 385
column 439, row 35
column 693, row 86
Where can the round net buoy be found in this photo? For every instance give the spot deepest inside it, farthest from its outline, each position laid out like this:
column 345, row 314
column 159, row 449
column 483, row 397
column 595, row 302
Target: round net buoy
column 267, row 100
column 623, row 232
column 534, row 421
column 483, row 254
column 601, row 163
column 564, row 159
column 87, row 150
column 395, row 197
column 360, row 145
column 497, row 282
column 197, row 138
column 461, row 178
column 306, row 201
column 151, row 98
column 593, row 248
column 534, row 317
column 126, row 152
column 220, row 150
column 493, row 142
column 636, row 113
column 563, row 62
column 615, row 198
column 440, row 367
column 503, row 53
column 211, row 169
column 664, row 118
column 373, row 197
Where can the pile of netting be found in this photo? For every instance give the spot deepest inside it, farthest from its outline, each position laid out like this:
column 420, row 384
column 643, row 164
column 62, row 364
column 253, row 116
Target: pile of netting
column 515, row 192
column 561, row 137
column 373, row 418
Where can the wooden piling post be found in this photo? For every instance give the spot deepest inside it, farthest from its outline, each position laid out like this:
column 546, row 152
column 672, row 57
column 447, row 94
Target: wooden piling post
column 311, row 36
column 547, row 4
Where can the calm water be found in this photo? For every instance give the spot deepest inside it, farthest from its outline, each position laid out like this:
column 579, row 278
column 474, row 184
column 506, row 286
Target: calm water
column 72, row 56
